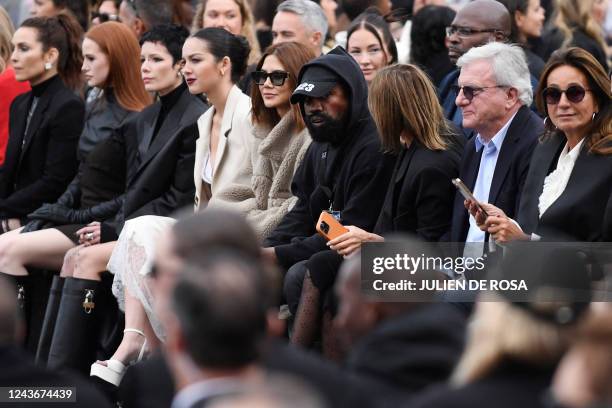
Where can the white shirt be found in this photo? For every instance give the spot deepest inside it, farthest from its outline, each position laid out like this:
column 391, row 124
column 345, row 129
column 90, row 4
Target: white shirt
column 482, row 187
column 556, row 182
column 207, row 171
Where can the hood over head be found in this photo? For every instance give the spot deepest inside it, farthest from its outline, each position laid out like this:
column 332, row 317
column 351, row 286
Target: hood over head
column 318, row 77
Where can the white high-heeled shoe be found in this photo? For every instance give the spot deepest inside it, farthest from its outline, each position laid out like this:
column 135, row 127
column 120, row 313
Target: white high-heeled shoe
column 114, row 370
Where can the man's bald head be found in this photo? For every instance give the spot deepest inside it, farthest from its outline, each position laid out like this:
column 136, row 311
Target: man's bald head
column 477, row 23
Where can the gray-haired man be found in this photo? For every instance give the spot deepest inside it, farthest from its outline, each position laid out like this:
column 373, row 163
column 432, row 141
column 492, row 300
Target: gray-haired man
column 302, row 21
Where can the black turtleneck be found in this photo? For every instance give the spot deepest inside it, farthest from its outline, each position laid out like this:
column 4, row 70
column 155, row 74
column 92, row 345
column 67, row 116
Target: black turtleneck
column 39, row 89
column 167, row 103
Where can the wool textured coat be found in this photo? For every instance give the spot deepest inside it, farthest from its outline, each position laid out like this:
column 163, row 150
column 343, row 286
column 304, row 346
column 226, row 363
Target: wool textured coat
column 281, row 151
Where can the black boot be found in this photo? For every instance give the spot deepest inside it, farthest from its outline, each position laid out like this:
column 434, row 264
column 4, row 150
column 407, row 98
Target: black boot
column 75, row 336
column 32, row 295
column 46, row 333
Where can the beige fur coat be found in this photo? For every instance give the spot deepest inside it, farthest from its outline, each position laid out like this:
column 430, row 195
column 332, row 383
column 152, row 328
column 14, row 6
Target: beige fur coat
column 280, row 152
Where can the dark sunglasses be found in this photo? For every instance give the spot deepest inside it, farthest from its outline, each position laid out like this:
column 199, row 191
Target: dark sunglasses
column 276, row 77
column 574, row 94
column 469, row 92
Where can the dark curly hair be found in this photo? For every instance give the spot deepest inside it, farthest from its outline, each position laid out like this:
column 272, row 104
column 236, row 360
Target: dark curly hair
column 171, row 36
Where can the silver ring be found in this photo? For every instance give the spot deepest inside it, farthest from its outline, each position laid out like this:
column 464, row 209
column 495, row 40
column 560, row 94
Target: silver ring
column 89, row 236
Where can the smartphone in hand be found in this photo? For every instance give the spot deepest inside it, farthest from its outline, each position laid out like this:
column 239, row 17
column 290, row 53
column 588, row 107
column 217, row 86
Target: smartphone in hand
column 467, row 194
column 329, row 227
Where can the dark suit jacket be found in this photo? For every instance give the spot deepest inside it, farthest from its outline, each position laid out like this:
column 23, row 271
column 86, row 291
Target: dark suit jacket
column 580, row 212
column 160, row 176
column 38, row 170
column 420, row 195
column 19, row 371
column 510, row 170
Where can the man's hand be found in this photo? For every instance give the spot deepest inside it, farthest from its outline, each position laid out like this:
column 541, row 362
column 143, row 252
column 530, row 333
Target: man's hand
column 351, row 241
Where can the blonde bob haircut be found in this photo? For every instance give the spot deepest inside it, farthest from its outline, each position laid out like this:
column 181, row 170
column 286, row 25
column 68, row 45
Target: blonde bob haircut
column 248, row 26
column 501, row 331
column 403, row 99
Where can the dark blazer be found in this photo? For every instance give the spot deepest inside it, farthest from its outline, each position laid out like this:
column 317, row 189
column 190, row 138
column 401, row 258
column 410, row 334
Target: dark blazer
column 160, row 176
column 510, row 170
column 580, row 212
column 39, row 165
column 419, row 198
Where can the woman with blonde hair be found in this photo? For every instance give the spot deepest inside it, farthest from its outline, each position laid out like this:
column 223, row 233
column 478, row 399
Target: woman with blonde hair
column 419, row 199
column 577, row 24
column 233, row 15
column 9, row 86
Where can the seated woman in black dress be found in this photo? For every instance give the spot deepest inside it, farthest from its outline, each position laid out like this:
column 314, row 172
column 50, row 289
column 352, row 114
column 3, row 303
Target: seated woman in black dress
column 568, row 191
column 420, row 196
column 111, row 63
column 45, row 123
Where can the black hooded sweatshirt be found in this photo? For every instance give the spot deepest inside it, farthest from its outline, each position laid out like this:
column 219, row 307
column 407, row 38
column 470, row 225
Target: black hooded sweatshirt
column 353, row 175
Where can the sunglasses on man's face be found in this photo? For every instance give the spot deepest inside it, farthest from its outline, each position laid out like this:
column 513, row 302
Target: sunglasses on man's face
column 276, row 77
column 574, row 94
column 469, row 92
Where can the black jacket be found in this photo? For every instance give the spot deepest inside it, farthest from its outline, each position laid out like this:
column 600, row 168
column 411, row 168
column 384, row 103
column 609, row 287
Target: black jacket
column 412, row 351
column 103, row 117
column 160, row 176
column 39, row 165
column 584, row 209
column 356, row 172
column 510, row 170
column 420, row 196
column 96, row 193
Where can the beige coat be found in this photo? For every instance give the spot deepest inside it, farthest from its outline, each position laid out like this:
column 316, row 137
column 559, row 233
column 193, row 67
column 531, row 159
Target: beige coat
column 280, row 153
column 236, row 150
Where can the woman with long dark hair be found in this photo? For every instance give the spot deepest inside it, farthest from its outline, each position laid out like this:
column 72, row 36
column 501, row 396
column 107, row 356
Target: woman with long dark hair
column 44, row 124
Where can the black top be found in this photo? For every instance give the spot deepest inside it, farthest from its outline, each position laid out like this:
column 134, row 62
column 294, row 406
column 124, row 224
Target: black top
column 103, row 175
column 39, row 89
column 167, row 103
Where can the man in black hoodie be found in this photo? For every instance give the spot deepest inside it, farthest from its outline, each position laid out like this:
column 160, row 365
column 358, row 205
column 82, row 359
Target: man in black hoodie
column 344, row 170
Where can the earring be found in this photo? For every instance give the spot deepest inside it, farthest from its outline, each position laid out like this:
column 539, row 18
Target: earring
column 48, row 66
column 593, row 117
column 178, row 74
column 222, row 72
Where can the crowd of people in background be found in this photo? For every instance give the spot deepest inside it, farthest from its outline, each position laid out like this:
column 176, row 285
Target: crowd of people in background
column 164, row 165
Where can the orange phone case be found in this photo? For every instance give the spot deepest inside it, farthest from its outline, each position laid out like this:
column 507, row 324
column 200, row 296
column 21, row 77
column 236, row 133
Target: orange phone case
column 329, row 227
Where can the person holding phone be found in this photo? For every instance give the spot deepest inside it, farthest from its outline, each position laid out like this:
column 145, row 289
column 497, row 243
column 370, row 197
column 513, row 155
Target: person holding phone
column 568, row 191
column 419, row 198
column 494, row 95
